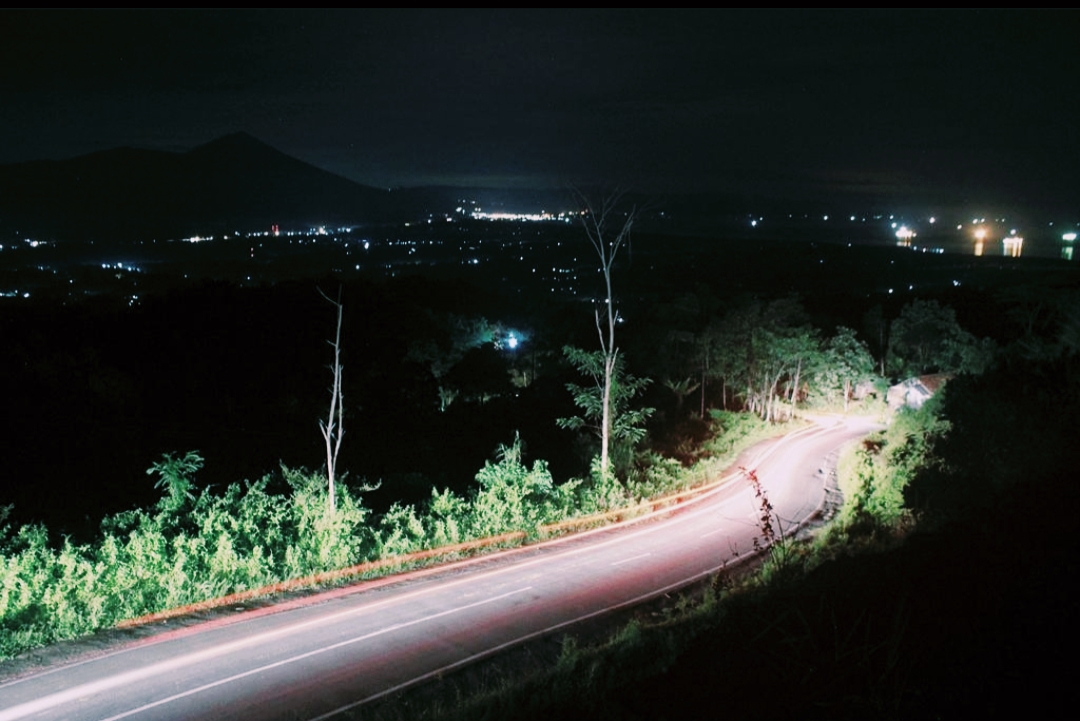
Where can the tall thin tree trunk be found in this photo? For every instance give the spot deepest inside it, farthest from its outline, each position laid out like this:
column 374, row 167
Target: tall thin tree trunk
column 334, row 426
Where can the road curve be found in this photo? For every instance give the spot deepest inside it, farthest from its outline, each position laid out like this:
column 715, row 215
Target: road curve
column 347, row 647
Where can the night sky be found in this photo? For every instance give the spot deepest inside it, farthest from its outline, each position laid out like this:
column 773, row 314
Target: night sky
column 960, row 106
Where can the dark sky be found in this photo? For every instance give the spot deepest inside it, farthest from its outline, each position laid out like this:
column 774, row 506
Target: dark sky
column 972, row 105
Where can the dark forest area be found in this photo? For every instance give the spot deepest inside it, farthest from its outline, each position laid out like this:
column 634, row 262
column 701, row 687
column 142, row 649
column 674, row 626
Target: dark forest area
column 96, row 393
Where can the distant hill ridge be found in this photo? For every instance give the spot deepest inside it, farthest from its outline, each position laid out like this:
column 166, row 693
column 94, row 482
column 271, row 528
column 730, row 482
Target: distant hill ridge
column 235, row 182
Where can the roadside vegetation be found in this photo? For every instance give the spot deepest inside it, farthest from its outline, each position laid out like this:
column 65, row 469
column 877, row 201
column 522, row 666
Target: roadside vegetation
column 195, row 546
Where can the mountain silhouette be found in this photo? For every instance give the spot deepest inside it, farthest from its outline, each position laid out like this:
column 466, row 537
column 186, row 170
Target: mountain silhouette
column 233, row 183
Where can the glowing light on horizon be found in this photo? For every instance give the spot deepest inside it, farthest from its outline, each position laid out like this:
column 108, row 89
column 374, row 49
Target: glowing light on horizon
column 1012, row 245
column 904, row 235
column 980, row 239
column 542, row 216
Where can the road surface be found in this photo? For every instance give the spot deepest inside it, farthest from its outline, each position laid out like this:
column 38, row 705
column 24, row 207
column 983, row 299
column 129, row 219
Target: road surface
column 338, row 650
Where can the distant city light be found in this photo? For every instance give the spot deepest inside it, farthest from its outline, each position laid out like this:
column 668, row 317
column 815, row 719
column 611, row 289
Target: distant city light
column 1012, row 245
column 904, row 235
column 980, row 238
column 542, row 216
column 468, row 246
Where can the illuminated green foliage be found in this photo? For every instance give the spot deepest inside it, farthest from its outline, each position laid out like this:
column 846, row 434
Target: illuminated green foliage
column 188, row 548
column 174, row 477
column 627, row 425
column 844, row 363
column 512, row 496
column 763, row 354
column 875, row 475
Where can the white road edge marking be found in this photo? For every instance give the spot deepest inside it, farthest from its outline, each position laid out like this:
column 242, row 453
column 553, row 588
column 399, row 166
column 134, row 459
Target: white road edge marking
column 77, row 692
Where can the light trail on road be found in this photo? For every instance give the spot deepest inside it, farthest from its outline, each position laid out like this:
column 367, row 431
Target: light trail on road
column 342, row 650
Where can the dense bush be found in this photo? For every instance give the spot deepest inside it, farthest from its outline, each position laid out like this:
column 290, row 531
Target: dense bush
column 875, row 474
column 186, row 549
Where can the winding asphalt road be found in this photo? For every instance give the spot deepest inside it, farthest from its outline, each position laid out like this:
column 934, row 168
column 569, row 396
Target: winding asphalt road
column 333, row 652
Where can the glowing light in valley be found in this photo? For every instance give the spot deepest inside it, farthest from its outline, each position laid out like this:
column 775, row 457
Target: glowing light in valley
column 904, row 235
column 1013, row 245
column 980, row 239
column 542, row 216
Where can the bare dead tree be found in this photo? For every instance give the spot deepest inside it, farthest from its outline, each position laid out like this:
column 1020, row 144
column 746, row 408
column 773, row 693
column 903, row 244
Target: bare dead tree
column 333, row 428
